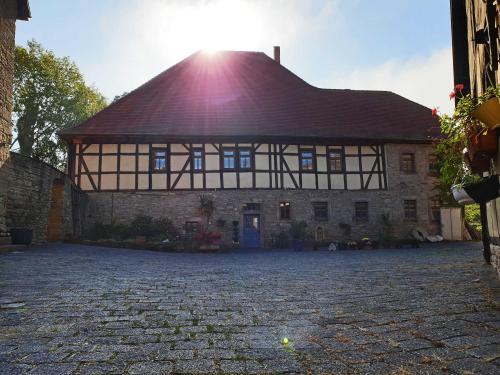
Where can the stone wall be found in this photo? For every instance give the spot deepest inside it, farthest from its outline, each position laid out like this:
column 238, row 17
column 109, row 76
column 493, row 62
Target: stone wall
column 182, row 206
column 8, row 13
column 27, row 186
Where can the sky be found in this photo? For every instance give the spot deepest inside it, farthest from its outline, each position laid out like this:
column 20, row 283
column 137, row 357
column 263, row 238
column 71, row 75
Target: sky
column 402, row 46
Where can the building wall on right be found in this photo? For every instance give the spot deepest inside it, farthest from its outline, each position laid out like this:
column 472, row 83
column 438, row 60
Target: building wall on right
column 476, row 46
column 8, row 13
column 482, row 17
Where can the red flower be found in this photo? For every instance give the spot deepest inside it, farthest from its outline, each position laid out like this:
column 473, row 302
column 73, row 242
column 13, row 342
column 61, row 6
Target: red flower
column 453, row 94
column 434, row 112
column 459, row 87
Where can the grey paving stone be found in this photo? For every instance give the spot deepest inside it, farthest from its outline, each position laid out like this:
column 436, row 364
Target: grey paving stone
column 151, row 368
column 195, row 366
column 96, row 310
column 54, row 369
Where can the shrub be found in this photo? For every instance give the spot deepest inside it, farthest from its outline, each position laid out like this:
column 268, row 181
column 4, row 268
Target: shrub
column 473, row 216
column 386, row 233
column 143, row 225
column 165, row 228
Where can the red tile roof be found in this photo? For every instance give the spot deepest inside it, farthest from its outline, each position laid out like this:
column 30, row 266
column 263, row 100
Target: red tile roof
column 238, row 94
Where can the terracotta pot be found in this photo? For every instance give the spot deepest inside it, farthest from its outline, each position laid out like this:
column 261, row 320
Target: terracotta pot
column 483, row 146
column 140, row 240
column 489, row 113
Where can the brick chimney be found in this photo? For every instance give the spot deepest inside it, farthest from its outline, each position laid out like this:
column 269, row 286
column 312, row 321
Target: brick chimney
column 277, row 54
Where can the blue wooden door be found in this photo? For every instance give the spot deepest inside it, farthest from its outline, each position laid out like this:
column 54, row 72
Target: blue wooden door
column 251, row 231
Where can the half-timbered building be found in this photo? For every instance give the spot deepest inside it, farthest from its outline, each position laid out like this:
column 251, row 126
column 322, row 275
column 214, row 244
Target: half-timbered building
column 267, row 146
column 475, row 26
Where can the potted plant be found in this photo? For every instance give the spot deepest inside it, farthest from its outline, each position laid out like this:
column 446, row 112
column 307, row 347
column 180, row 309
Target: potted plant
column 207, row 209
column 476, row 190
column 488, row 112
column 143, row 227
column 466, row 146
column 298, row 233
column 208, row 240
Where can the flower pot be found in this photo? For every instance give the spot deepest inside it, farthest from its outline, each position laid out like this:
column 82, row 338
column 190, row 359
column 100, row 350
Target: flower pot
column 489, row 113
column 485, row 190
column 298, row 245
column 482, row 146
column 21, row 236
column 140, row 240
column 460, row 195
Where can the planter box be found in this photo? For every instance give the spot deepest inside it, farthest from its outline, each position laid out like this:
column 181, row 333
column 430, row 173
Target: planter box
column 489, row 113
column 21, row 236
column 210, row 247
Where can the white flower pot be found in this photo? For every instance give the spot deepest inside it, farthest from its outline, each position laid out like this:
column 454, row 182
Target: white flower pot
column 461, row 195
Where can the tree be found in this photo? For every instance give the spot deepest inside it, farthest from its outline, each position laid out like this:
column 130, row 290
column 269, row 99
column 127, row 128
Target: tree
column 206, row 208
column 50, row 94
column 118, row 97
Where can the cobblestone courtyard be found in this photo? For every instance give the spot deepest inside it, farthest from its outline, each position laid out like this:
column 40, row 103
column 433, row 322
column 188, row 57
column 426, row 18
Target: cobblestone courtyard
column 72, row 309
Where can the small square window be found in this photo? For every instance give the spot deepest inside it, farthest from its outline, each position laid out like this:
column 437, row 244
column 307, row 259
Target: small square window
column 335, row 161
column 410, row 209
column 306, row 160
column 285, row 210
column 197, row 159
column 408, row 162
column 159, row 160
column 361, row 211
column 320, row 211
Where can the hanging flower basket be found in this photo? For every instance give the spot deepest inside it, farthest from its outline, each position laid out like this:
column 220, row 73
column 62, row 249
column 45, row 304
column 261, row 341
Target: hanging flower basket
column 478, row 165
column 482, row 145
column 461, row 196
column 487, row 189
column 489, row 113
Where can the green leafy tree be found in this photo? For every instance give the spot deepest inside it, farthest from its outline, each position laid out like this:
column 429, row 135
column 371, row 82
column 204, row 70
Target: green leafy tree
column 50, row 94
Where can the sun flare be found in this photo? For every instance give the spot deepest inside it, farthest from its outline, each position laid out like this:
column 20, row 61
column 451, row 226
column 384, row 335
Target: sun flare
column 218, row 25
